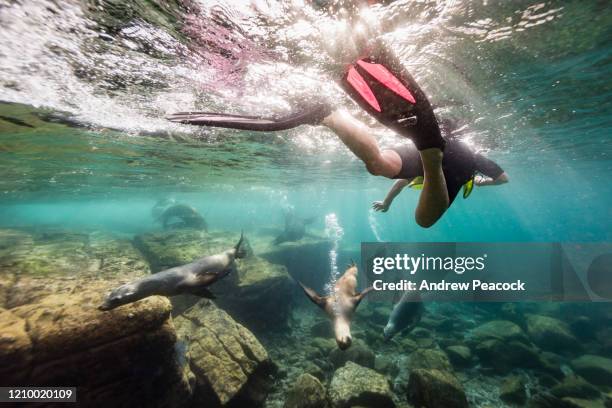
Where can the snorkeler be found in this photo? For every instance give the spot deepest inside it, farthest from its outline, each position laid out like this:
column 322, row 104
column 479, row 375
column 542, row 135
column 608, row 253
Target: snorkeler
column 383, row 88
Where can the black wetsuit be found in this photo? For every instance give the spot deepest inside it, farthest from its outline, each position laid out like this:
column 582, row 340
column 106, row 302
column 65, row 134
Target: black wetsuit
column 459, row 165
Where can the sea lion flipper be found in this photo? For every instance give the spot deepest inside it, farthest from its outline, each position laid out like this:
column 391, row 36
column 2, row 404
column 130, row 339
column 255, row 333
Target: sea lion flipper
column 314, row 296
column 359, row 296
column 203, row 292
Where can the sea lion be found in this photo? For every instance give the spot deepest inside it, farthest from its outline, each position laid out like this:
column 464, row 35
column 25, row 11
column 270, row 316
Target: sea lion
column 189, row 216
column 405, row 314
column 295, row 228
column 192, row 278
column 162, row 205
column 340, row 306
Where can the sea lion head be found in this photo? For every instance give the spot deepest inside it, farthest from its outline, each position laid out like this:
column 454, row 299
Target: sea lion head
column 389, row 331
column 342, row 332
column 119, row 296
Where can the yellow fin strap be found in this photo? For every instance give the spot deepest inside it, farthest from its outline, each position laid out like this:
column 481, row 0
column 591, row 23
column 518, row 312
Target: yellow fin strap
column 416, row 183
column 468, row 187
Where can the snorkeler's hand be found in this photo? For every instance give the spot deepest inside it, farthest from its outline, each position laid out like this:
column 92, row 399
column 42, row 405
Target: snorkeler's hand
column 380, row 206
column 481, row 180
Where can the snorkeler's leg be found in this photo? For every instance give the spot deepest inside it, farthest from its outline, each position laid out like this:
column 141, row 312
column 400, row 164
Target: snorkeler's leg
column 357, row 137
column 434, row 199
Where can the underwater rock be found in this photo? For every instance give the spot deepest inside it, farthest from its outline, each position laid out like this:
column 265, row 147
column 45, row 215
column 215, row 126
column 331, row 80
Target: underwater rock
column 546, row 400
column 550, row 333
column 460, row 356
column 435, row 389
column 300, row 258
column 119, row 358
column 261, row 299
column 38, row 263
column 188, row 216
column 325, row 345
column 386, row 365
column 574, row 386
column 353, row 385
column 504, row 357
column 502, row 330
column 407, row 344
column 167, row 249
column 570, row 402
column 596, row 369
column 229, row 363
column 15, row 346
column 307, row 392
column 358, row 353
column 314, row 370
column 429, row 359
column 512, row 390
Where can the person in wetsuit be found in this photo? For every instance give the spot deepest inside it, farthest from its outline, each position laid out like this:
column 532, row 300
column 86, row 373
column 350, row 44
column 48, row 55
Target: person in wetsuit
column 382, row 87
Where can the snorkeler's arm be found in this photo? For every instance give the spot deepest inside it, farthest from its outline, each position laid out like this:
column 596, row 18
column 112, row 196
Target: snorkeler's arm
column 488, row 181
column 491, row 173
column 397, row 187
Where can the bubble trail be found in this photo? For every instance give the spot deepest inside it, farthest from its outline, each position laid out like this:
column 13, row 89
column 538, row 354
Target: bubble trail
column 333, row 231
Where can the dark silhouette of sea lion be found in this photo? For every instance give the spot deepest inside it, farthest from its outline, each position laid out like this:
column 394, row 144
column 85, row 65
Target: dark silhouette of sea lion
column 189, row 216
column 341, row 305
column 295, row 228
column 193, row 278
column 405, row 315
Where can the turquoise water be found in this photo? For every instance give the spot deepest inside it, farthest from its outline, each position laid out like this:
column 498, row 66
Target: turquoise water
column 85, row 150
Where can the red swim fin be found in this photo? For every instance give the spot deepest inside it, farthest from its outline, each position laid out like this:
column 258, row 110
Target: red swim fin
column 359, row 84
column 385, row 77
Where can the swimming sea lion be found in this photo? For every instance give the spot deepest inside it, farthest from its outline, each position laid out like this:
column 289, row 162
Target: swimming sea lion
column 295, row 228
column 340, row 306
column 192, row 278
column 405, row 314
column 189, row 216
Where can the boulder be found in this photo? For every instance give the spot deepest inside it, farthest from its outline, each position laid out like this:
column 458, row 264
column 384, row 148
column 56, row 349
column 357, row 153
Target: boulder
column 307, row 392
column 570, row 402
column 596, row 369
column 385, row 365
column 353, row 385
column 550, row 333
column 512, row 391
column 228, row 362
column 502, row 330
column 504, row 357
column 460, row 356
column 299, row 257
column 38, row 263
column 358, row 353
column 433, row 388
column 429, row 359
column 574, row 386
column 118, row 358
column 262, row 297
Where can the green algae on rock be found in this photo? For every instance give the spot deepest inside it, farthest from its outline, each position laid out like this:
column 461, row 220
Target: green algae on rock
column 228, row 362
column 353, row 385
column 307, row 392
column 435, row 389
